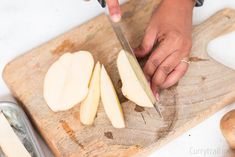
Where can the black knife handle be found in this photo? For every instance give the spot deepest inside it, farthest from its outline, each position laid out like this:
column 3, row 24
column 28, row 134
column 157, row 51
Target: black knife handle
column 102, row 3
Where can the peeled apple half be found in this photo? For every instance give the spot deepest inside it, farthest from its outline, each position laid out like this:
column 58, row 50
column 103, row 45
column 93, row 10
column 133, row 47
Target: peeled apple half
column 134, row 84
column 66, row 82
column 89, row 106
column 110, row 100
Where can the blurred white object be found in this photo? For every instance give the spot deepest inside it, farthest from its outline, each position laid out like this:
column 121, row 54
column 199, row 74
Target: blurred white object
column 210, row 7
column 222, row 49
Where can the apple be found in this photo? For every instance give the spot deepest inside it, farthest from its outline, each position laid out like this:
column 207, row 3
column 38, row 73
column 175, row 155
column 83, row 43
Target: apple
column 134, row 84
column 89, row 106
column 227, row 124
column 110, row 100
column 67, row 80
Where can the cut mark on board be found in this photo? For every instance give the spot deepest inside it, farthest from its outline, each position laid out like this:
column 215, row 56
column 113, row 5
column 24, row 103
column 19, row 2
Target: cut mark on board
column 143, row 118
column 70, row 132
column 139, row 108
column 65, row 46
column 197, row 59
column 108, row 134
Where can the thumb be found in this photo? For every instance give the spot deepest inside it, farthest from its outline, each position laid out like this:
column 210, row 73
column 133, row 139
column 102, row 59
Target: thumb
column 114, row 10
column 147, row 43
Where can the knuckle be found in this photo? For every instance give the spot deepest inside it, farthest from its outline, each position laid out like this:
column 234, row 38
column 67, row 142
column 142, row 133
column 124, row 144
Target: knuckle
column 176, row 36
column 187, row 43
column 162, row 86
column 148, row 40
column 180, row 40
column 155, row 62
column 186, row 47
column 166, row 69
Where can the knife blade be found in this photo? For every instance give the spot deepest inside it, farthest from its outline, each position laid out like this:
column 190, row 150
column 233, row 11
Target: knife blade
column 134, row 62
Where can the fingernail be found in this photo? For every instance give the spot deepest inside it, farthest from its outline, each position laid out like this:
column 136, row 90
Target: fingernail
column 147, row 77
column 116, row 17
column 149, row 82
column 157, row 96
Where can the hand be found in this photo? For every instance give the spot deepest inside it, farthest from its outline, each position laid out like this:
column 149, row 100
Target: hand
column 171, row 28
column 114, row 10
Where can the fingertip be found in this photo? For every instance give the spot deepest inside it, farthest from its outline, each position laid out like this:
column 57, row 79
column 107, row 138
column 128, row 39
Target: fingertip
column 114, row 10
column 116, row 17
column 157, row 96
column 155, row 89
column 145, row 46
column 146, row 73
column 148, row 82
column 139, row 52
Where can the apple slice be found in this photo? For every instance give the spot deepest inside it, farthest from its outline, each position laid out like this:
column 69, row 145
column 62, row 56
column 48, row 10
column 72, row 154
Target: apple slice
column 9, row 141
column 110, row 100
column 134, row 84
column 89, row 106
column 66, row 82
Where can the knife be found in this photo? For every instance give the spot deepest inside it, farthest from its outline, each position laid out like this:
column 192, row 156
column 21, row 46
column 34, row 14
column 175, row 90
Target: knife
column 132, row 59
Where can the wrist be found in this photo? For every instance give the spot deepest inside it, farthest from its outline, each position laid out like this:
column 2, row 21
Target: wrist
column 180, row 4
column 177, row 13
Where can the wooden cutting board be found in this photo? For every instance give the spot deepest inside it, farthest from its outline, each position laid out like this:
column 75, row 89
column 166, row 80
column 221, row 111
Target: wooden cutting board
column 207, row 87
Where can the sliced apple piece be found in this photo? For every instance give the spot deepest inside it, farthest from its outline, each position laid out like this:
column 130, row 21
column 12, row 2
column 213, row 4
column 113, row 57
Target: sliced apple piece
column 66, row 82
column 9, row 141
column 134, row 84
column 89, row 106
column 110, row 100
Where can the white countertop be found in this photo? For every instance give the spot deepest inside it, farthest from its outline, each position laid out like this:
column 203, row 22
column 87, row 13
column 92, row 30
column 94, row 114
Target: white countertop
column 26, row 24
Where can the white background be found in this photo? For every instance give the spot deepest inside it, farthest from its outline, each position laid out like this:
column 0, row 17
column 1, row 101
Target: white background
column 25, row 24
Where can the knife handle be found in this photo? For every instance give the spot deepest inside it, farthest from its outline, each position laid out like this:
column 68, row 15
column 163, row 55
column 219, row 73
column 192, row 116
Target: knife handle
column 102, row 3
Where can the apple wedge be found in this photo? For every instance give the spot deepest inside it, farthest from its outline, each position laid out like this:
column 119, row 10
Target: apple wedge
column 66, row 82
column 9, row 141
column 89, row 106
column 134, row 84
column 110, row 100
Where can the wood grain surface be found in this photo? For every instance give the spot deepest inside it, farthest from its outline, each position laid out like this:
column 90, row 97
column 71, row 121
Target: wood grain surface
column 207, row 87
